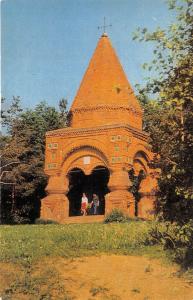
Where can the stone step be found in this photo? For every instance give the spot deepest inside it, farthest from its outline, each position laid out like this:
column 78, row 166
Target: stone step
column 84, row 219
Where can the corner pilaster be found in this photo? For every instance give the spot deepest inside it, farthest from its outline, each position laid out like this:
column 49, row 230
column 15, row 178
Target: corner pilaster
column 55, row 205
column 148, row 190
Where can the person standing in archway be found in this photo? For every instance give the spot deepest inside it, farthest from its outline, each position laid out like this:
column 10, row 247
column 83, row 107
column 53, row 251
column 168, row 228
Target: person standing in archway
column 84, row 204
column 95, row 203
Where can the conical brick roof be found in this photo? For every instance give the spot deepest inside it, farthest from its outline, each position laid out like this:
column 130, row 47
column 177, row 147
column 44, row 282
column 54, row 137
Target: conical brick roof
column 105, row 83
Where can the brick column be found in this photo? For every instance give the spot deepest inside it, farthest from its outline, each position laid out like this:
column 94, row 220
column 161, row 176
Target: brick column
column 148, row 190
column 55, row 205
column 119, row 196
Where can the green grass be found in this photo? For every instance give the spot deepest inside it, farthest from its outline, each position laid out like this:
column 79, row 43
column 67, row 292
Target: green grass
column 31, row 242
column 27, row 249
column 26, row 284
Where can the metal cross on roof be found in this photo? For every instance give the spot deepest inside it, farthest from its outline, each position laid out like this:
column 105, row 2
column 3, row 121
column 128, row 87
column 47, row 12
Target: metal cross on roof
column 104, row 25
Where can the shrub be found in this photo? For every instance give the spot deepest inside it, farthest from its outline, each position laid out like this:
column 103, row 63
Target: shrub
column 178, row 238
column 116, row 215
column 45, row 221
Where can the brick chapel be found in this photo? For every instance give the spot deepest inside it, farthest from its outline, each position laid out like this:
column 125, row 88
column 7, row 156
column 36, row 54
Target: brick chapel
column 102, row 146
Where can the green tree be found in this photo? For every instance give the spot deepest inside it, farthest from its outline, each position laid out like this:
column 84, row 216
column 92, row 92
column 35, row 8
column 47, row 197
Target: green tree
column 25, row 146
column 168, row 117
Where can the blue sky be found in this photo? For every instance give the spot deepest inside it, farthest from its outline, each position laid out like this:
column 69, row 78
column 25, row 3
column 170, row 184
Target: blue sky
column 47, row 44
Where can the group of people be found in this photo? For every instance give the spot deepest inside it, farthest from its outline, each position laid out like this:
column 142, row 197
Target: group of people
column 85, row 204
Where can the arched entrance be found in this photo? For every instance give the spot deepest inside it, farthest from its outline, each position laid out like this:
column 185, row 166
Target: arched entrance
column 136, row 175
column 95, row 183
column 136, row 179
column 76, row 181
column 100, row 178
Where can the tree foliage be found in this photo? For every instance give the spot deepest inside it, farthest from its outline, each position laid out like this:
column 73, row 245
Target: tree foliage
column 177, row 238
column 169, row 116
column 22, row 151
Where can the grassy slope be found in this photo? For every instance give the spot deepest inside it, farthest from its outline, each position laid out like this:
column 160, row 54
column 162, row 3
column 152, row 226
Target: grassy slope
column 36, row 241
column 25, row 247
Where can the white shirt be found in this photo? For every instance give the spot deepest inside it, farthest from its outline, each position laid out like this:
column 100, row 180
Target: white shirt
column 84, row 199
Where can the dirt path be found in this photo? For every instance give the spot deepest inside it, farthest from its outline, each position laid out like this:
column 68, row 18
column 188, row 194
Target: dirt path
column 104, row 277
column 123, row 277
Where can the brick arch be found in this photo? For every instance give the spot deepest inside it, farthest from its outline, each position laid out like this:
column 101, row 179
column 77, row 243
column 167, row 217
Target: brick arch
column 73, row 158
column 140, row 161
column 139, row 165
column 85, row 142
column 98, row 166
column 86, row 171
column 75, row 167
column 140, row 148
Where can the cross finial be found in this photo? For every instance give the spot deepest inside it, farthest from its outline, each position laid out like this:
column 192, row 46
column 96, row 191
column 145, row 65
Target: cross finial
column 104, row 26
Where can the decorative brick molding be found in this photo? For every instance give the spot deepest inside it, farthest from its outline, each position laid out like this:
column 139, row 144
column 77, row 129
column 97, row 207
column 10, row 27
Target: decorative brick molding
column 98, row 129
column 107, row 108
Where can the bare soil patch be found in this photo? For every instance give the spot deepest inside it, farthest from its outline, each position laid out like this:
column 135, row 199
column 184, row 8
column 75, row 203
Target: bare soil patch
column 123, row 277
column 102, row 277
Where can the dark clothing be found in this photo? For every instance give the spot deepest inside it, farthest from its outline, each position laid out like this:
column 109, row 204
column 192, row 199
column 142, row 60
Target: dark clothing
column 95, row 202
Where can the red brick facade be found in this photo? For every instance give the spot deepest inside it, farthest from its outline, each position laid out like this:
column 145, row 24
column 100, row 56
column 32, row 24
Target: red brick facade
column 105, row 130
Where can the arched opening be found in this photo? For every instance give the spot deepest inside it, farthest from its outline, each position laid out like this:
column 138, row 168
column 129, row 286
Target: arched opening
column 76, row 182
column 136, row 179
column 100, row 178
column 137, row 174
column 95, row 183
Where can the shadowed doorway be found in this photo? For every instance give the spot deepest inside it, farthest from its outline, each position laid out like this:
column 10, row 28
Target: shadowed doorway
column 134, row 189
column 95, row 183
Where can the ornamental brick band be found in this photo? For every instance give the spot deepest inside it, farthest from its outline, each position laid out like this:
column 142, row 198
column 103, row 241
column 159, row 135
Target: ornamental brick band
column 105, row 137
